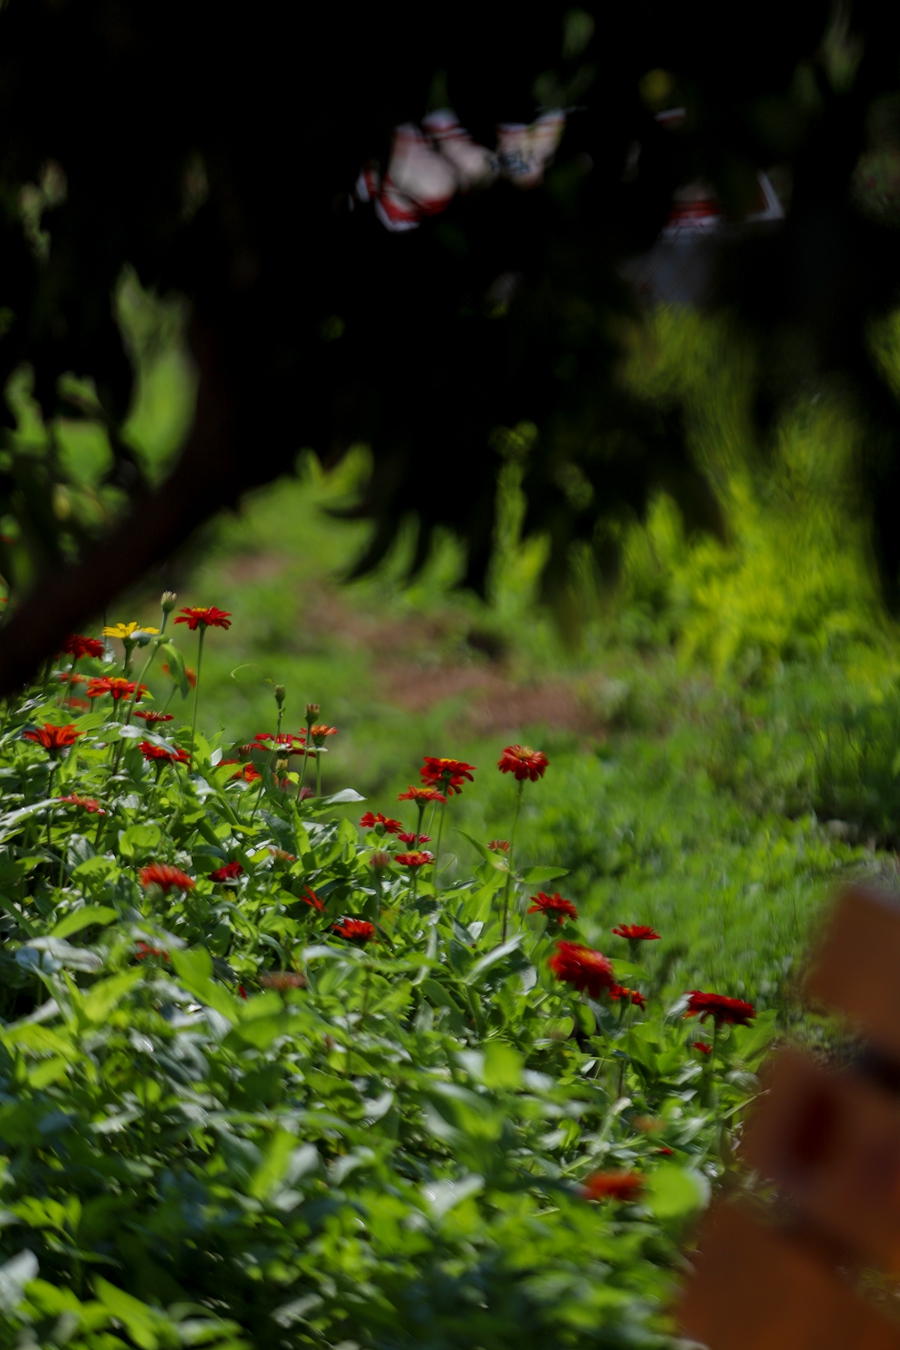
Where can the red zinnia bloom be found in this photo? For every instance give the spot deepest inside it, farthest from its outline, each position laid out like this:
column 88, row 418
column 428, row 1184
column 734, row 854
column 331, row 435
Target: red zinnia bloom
column 450, row 773
column 248, row 772
column 65, row 677
column 53, row 738
column 357, row 930
column 209, row 617
column 420, row 794
column 416, row 858
column 499, row 845
column 666, row 1152
column 619, row 991
column 282, row 980
column 78, row 646
column 242, row 992
column 166, row 878
column 115, row 685
column 719, row 1007
column 554, row 906
column 582, row 967
column 143, row 950
column 86, row 804
column 229, row 872
column 703, row 1046
column 282, row 856
column 636, row 932
column 622, row 1186
column 157, row 752
column 381, row 859
column 413, row 838
column 524, row 762
column 310, row 898
column 284, row 738
column 387, row 823
column 151, row 718
column 191, row 674
column 320, row 731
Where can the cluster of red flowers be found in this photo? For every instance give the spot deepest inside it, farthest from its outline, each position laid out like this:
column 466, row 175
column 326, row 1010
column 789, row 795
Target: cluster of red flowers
column 619, row 991
column 151, row 718
column 720, row 1008
column 383, row 824
column 357, row 930
column 53, row 738
column 204, row 618
column 623, row 1186
column 554, row 906
column 159, row 755
column 636, row 932
column 524, row 762
column 415, row 858
column 114, row 685
column 143, row 950
column 583, row 968
column 78, row 646
column 86, row 803
column 406, row 838
column 451, row 774
column 166, row 878
column 228, row 872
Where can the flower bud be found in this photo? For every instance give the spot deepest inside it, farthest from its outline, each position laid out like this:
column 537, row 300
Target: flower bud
column 167, row 601
column 282, row 765
column 312, row 711
column 381, row 859
column 279, row 695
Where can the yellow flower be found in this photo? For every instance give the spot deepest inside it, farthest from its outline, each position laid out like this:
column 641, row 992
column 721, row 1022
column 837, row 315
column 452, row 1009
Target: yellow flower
column 127, row 630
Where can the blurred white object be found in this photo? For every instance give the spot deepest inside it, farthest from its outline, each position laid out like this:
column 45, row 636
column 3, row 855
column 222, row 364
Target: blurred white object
column 525, row 151
column 419, row 181
column 474, row 165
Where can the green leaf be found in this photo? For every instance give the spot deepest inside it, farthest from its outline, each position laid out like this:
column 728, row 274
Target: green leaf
column 485, row 852
column 491, row 958
column 502, row 1066
column 676, row 1192
column 274, row 1165
column 139, row 840
column 100, row 1000
column 342, row 798
column 82, row 918
column 176, row 668
column 141, row 1322
column 533, row 876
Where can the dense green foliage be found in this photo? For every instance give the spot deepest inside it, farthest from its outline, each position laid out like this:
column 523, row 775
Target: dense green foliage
column 224, row 1123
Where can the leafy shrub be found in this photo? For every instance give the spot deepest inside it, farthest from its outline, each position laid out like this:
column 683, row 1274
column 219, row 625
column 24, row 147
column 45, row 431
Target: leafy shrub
column 226, row 1121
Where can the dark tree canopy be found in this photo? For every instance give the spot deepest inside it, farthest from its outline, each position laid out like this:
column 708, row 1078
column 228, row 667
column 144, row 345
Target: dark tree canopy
column 214, row 150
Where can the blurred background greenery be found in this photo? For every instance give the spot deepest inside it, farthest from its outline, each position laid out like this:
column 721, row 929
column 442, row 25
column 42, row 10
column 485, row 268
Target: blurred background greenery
column 724, row 731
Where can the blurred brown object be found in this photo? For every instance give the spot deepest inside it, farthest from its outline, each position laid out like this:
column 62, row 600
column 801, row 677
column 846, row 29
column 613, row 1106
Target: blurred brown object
column 758, row 1287
column 831, row 1140
column 856, row 969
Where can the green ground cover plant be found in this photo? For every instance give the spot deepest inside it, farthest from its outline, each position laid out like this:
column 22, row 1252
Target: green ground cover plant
column 272, row 1071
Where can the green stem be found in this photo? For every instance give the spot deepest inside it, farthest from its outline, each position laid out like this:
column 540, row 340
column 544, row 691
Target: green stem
column 196, row 694
column 318, row 772
column 309, row 723
column 509, row 856
column 64, row 689
column 437, row 847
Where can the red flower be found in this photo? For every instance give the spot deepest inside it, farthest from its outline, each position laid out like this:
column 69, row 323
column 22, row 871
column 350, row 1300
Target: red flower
column 719, row 1007
column 86, row 804
column 229, row 872
column 242, row 992
column 416, row 858
column 151, row 718
column 703, row 1046
column 143, row 950
column 387, row 823
column 209, row 618
column 582, row 967
column 53, row 738
column 449, row 773
column 380, row 859
column 419, row 794
column 166, row 878
column 636, row 932
column 619, row 991
column 158, row 753
column 357, row 930
column 554, row 906
column 320, row 731
column 284, row 738
column 622, row 1186
column 414, row 838
column 248, row 772
column 115, row 685
column 78, row 646
column 282, row 980
column 666, row 1152
column 524, row 762
column 67, row 677
column 499, row 845
column 191, row 674
column 310, row 898
column 280, row 855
